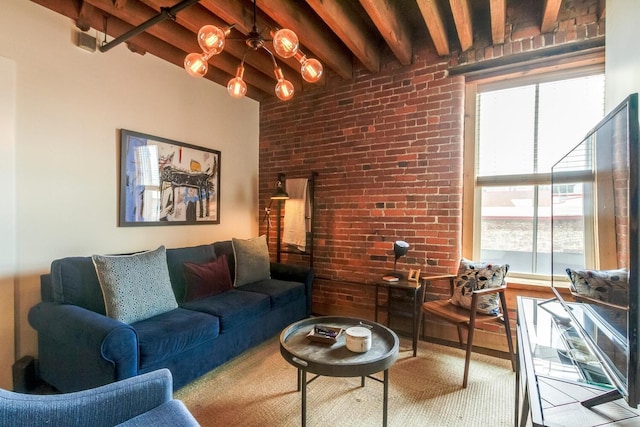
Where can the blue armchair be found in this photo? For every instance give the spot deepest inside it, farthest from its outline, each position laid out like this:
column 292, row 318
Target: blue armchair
column 143, row 400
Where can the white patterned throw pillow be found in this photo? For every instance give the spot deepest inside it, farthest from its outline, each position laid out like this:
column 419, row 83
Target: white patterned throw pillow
column 135, row 287
column 474, row 275
column 610, row 286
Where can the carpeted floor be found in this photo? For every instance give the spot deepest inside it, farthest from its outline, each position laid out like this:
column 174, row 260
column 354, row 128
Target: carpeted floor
column 258, row 389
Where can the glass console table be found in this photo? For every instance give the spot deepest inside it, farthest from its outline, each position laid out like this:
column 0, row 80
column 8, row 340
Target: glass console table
column 556, row 372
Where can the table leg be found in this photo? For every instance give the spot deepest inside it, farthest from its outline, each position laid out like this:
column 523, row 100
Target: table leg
column 376, row 308
column 304, row 398
column 385, row 399
column 524, row 414
column 299, row 379
column 362, row 382
column 517, row 397
column 388, row 303
column 414, row 320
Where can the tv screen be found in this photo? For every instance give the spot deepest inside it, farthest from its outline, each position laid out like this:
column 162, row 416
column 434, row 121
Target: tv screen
column 595, row 238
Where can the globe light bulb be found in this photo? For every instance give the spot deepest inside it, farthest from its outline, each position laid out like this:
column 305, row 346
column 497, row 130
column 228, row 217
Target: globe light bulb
column 285, row 43
column 284, row 90
column 211, row 39
column 237, row 88
column 311, row 70
column 196, row 64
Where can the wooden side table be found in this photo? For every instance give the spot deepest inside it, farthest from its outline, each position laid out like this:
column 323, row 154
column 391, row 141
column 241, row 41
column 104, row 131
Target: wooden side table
column 408, row 309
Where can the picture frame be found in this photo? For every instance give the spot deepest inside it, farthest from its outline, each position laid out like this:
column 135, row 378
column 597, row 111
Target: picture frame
column 167, row 182
column 414, row 275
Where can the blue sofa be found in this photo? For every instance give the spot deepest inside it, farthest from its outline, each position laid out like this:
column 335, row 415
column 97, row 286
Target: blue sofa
column 144, row 400
column 79, row 347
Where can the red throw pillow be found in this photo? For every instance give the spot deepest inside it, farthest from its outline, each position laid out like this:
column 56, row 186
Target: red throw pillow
column 208, row 279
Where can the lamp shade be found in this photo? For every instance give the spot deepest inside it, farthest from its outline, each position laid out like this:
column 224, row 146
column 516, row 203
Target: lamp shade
column 280, row 193
column 400, row 247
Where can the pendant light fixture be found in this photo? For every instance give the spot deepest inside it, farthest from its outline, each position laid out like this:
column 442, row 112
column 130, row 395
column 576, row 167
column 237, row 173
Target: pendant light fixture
column 285, row 43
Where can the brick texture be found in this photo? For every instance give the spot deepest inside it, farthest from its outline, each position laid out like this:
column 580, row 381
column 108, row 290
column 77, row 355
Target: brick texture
column 387, row 148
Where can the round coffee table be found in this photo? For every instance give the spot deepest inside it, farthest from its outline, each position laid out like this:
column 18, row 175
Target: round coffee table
column 335, row 360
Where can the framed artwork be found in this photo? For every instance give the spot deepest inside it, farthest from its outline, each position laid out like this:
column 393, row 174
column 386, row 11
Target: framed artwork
column 165, row 182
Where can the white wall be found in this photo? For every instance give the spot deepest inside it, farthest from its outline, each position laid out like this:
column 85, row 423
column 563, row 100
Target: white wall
column 7, row 217
column 69, row 107
column 622, row 53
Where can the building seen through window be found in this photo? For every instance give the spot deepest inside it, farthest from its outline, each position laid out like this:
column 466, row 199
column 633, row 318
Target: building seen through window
column 521, row 132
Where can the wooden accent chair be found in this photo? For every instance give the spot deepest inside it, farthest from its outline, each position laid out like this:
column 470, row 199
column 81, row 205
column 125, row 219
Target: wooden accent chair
column 466, row 318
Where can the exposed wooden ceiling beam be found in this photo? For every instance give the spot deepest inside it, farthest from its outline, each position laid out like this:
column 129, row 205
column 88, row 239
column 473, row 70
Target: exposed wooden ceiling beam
column 135, row 13
column 602, row 9
column 94, row 17
column 550, row 15
column 82, row 21
column 461, row 11
column 498, row 11
column 394, row 29
column 351, row 29
column 435, row 24
column 312, row 33
column 339, row 33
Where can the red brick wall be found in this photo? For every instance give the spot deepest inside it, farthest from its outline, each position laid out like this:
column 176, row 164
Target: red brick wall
column 387, row 148
column 388, row 153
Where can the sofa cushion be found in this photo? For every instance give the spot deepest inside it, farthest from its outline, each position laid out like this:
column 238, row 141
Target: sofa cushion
column 208, row 279
column 74, row 281
column 252, row 260
column 280, row 292
column 475, row 275
column 135, row 287
column 234, row 307
column 176, row 257
column 225, row 247
column 165, row 335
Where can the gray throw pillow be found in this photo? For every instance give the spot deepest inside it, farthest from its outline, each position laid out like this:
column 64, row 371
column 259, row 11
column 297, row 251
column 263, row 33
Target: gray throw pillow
column 252, row 260
column 135, row 287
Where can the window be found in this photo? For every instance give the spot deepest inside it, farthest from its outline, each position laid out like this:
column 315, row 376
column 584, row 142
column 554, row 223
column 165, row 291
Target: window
column 521, row 130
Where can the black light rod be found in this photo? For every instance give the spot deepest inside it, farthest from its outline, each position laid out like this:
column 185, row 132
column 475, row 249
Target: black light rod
column 164, row 14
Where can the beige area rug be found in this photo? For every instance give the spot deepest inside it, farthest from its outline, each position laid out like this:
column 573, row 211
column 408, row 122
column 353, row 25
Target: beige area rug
column 258, row 388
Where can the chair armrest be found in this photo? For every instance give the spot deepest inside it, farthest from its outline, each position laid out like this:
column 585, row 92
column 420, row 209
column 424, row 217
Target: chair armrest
column 292, row 273
column 490, row 290
column 448, row 277
column 438, row 277
column 475, row 296
column 295, row 273
column 79, row 328
column 172, row 413
column 106, row 405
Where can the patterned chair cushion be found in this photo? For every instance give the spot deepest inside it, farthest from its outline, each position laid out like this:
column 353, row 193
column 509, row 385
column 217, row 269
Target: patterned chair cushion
column 135, row 287
column 474, row 275
column 603, row 285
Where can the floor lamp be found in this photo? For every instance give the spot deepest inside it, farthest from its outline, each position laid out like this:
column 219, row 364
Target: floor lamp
column 279, row 194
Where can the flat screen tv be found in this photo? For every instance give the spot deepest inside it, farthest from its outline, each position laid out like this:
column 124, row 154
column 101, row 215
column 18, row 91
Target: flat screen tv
column 595, row 247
